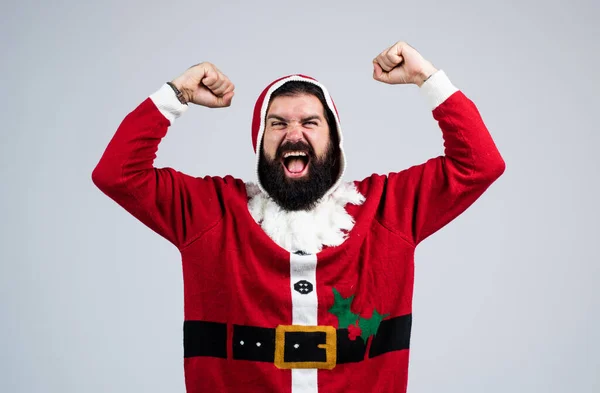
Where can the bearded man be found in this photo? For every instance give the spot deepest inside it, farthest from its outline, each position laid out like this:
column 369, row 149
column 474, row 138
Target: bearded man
column 298, row 281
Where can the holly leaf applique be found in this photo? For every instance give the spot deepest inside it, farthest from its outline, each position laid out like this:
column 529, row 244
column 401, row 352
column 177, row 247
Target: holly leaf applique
column 368, row 327
column 341, row 309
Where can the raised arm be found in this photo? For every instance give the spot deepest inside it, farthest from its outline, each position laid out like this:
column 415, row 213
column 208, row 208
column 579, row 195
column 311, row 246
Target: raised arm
column 176, row 206
column 422, row 199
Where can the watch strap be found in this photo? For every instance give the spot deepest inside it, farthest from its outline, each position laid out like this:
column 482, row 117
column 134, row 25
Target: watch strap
column 178, row 93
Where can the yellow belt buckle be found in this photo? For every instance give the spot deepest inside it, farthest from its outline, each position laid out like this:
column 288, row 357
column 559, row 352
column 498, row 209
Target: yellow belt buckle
column 330, row 346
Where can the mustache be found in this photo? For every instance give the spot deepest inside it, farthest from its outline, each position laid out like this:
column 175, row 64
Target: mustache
column 294, row 146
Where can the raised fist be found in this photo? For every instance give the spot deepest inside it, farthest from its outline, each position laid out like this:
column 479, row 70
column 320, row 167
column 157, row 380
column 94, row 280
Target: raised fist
column 400, row 64
column 203, row 84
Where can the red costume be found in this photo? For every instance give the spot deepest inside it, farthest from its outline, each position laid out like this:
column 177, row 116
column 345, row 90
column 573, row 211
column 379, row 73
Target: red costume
column 298, row 302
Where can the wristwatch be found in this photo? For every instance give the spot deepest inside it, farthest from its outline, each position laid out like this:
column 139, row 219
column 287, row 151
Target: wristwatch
column 178, row 93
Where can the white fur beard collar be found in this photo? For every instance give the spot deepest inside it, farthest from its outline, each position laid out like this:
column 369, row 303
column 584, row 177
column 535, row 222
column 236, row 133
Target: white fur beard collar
column 327, row 224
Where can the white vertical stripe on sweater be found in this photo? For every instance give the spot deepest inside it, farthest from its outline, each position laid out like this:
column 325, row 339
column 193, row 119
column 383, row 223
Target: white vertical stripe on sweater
column 304, row 312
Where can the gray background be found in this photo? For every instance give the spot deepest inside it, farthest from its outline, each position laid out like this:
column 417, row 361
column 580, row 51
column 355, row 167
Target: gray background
column 505, row 296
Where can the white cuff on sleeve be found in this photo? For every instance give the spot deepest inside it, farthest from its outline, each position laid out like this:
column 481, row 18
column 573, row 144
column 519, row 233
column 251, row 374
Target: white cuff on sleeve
column 167, row 103
column 438, row 88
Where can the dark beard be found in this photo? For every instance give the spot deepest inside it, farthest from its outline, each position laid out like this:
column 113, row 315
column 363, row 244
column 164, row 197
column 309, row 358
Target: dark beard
column 297, row 194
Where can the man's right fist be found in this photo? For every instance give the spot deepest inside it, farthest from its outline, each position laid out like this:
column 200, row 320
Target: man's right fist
column 203, row 84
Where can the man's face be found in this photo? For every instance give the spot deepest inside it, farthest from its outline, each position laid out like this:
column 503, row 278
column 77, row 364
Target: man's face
column 297, row 157
column 296, row 121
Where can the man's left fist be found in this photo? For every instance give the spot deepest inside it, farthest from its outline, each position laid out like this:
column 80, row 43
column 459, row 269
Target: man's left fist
column 401, row 64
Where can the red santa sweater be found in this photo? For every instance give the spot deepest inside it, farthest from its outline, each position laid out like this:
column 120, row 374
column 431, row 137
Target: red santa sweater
column 259, row 318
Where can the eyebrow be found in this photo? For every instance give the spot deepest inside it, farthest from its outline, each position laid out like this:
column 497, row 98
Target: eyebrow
column 313, row 117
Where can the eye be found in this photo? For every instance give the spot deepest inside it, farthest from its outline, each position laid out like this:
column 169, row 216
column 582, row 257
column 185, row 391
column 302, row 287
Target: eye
column 277, row 124
column 314, row 123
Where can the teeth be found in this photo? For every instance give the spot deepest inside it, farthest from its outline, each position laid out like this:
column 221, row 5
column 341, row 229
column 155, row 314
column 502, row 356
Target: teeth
column 294, row 153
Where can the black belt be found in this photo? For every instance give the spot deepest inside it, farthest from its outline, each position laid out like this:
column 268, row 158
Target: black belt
column 294, row 346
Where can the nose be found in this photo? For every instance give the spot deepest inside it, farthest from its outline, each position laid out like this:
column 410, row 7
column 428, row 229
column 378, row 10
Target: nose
column 294, row 133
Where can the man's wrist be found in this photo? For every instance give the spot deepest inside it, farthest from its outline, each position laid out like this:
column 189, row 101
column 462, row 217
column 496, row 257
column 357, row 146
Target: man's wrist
column 438, row 89
column 167, row 103
column 425, row 73
column 180, row 85
column 178, row 93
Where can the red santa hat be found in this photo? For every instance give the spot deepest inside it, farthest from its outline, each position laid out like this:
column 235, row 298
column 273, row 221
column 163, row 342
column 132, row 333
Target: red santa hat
column 260, row 113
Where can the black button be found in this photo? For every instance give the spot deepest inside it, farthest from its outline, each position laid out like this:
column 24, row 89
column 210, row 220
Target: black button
column 303, row 287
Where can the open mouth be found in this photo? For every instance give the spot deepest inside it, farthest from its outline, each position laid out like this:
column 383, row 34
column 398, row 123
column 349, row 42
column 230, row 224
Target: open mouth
column 295, row 163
